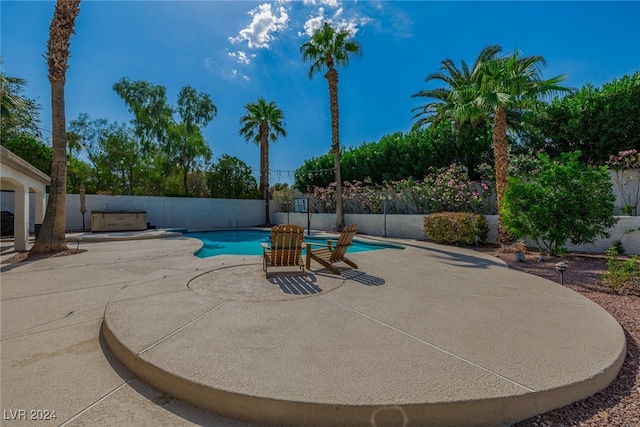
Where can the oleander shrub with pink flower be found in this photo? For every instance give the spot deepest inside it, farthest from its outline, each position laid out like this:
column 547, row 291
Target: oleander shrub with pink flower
column 446, row 189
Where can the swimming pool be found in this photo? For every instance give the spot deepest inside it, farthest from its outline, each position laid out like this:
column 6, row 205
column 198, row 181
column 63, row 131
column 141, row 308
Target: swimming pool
column 247, row 242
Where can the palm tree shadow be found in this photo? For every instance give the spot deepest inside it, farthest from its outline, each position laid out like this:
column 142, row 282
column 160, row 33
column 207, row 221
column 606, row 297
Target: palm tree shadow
column 296, row 284
column 449, row 257
column 361, row 277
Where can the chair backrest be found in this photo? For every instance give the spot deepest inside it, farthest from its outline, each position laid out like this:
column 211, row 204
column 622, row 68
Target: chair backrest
column 287, row 242
column 344, row 241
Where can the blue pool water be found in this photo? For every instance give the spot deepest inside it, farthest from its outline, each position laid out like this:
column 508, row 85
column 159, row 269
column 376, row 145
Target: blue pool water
column 247, row 242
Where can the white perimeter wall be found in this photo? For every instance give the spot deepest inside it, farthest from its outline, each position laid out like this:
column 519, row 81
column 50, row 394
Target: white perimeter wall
column 410, row 227
column 202, row 214
column 163, row 212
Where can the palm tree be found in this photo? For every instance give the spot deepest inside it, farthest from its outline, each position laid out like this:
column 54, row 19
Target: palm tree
column 507, row 84
column 263, row 122
column 328, row 48
column 10, row 100
column 52, row 236
column 455, row 102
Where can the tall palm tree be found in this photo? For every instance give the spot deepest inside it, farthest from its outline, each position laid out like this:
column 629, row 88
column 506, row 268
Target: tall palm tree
column 455, row 102
column 326, row 49
column 52, row 236
column 263, row 122
column 511, row 83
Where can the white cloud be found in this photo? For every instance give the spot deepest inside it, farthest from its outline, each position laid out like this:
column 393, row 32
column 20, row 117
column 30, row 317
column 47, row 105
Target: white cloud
column 239, row 75
column 242, row 57
column 313, row 23
column 212, row 66
column 330, row 3
column 336, row 20
column 264, row 24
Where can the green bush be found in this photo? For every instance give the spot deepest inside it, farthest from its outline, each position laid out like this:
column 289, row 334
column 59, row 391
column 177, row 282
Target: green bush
column 598, row 121
column 562, row 200
column 620, row 271
column 456, row 227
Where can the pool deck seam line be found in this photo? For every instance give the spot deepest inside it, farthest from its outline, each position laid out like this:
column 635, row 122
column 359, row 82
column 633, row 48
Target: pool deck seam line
column 97, row 402
column 183, row 327
column 502, row 377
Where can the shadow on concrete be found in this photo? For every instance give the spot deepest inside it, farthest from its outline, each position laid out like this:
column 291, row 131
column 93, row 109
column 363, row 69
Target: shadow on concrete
column 115, row 364
column 361, row 277
column 454, row 258
column 296, row 284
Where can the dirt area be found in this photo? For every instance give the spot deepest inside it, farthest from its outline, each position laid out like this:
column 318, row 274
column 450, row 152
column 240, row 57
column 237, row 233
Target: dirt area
column 618, row 404
column 24, row 256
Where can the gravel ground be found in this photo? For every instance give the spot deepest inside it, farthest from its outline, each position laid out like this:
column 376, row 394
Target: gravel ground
column 618, row 404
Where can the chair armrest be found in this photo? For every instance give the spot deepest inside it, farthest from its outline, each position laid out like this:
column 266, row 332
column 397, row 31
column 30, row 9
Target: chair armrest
column 265, row 248
column 317, row 244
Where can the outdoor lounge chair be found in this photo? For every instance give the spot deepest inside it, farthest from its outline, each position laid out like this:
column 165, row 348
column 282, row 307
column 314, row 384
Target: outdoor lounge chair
column 334, row 251
column 285, row 248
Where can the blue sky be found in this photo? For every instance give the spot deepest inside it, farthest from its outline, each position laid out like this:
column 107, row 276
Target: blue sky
column 237, row 51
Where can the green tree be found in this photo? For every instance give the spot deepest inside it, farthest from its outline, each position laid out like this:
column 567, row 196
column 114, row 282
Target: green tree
column 562, row 200
column 19, row 115
column 598, row 121
column 327, row 49
column 196, row 110
column 454, row 104
column 121, row 161
column 397, row 156
column 11, row 99
column 37, row 153
column 80, row 173
column 511, row 83
column 52, row 237
column 262, row 123
column 231, row 178
column 89, row 135
column 181, row 141
column 19, row 121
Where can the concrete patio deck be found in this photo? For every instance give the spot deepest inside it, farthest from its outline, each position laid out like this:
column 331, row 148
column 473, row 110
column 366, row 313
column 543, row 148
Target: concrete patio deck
column 427, row 335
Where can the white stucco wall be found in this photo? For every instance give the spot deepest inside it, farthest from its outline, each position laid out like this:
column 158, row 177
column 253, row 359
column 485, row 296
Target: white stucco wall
column 627, row 181
column 172, row 212
column 203, row 214
column 403, row 226
column 163, row 212
column 411, row 227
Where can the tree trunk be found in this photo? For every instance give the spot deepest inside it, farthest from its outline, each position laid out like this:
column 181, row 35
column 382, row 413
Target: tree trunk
column 501, row 159
column 264, row 168
column 52, row 236
column 185, row 170
column 332, row 78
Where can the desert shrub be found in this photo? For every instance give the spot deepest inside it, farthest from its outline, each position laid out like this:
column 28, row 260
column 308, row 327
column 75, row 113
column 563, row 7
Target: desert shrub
column 563, row 200
column 620, row 271
column 456, row 227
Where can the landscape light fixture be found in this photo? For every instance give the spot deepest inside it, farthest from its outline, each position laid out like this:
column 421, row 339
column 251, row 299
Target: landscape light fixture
column 561, row 267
